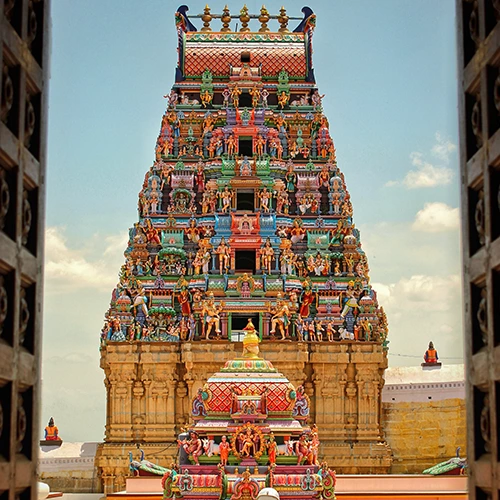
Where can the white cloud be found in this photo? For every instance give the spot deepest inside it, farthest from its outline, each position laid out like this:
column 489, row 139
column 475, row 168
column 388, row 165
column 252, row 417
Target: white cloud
column 426, row 174
column 443, row 148
column 436, row 217
column 72, row 269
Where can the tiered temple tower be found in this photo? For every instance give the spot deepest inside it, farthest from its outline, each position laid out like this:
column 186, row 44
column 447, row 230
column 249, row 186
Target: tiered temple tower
column 244, row 214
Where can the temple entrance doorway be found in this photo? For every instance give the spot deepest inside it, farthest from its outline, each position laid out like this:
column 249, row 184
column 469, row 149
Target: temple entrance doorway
column 245, row 261
column 245, row 146
column 239, row 321
column 245, row 200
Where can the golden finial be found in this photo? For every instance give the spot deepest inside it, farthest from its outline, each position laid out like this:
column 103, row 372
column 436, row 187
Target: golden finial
column 206, row 18
column 226, row 19
column 283, row 20
column 244, row 18
column 264, row 18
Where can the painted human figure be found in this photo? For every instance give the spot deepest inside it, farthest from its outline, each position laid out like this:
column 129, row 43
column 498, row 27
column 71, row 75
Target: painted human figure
column 255, row 93
column 227, row 197
column 226, row 94
column 206, row 98
column 314, row 446
column 264, row 95
column 272, row 449
column 231, row 145
column 211, row 313
column 235, row 95
column 224, row 448
column 267, row 256
column 200, row 178
column 185, row 301
column 224, row 253
column 265, row 198
column 248, row 448
column 283, row 99
column 291, row 179
column 193, row 447
column 302, row 450
column 191, row 324
column 281, row 317
column 260, row 142
column 307, row 299
column 317, row 99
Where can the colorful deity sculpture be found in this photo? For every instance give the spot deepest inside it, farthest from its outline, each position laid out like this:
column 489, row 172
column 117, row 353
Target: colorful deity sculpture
column 51, row 432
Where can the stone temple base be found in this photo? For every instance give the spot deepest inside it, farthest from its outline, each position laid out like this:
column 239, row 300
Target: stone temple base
column 150, row 387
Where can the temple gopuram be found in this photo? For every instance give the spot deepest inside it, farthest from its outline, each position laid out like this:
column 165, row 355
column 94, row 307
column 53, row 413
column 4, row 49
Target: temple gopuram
column 244, row 218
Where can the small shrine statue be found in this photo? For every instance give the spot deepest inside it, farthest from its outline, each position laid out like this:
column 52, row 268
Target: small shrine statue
column 224, row 448
column 431, row 355
column 193, row 446
column 250, row 341
column 51, row 431
column 272, row 449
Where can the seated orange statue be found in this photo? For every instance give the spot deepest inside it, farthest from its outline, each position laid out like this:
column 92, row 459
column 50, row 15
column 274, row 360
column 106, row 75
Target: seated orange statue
column 431, row 355
column 51, row 431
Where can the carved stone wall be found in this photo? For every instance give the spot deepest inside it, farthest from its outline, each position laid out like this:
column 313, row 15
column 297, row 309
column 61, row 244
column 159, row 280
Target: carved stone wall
column 150, row 387
column 24, row 64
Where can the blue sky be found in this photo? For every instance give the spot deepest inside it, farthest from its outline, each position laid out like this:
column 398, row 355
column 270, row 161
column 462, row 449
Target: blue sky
column 388, row 70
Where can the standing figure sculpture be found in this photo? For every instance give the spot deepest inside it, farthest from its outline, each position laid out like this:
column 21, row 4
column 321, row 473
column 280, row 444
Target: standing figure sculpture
column 224, row 253
column 281, row 317
column 224, row 448
column 266, row 257
column 211, row 314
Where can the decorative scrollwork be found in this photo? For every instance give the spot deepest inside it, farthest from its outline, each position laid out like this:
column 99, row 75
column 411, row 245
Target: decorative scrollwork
column 496, row 7
column 477, row 128
column 27, row 218
column 4, row 303
column 32, row 24
column 22, row 424
column 24, row 316
column 474, row 23
column 496, row 90
column 185, row 482
column 479, row 217
column 484, row 423
column 4, row 198
column 7, row 94
column 7, row 9
column 30, row 122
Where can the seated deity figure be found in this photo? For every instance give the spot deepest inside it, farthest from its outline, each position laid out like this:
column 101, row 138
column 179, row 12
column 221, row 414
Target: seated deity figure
column 51, row 431
column 431, row 355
